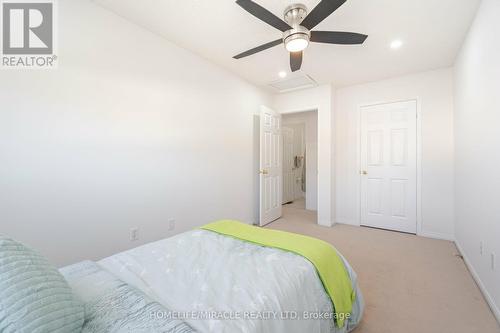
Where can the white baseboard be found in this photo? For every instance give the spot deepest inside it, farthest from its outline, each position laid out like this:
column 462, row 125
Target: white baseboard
column 347, row 221
column 486, row 294
column 326, row 223
column 436, row 235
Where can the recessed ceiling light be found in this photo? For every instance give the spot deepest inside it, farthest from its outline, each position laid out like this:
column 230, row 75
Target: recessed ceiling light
column 282, row 74
column 396, row 44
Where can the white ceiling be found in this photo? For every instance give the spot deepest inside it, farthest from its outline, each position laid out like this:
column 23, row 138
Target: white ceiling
column 432, row 32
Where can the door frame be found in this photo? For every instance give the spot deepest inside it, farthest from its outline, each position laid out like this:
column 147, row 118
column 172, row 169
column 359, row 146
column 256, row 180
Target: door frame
column 419, row 157
column 318, row 182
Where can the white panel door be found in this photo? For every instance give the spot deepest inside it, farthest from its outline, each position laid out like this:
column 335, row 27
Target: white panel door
column 389, row 166
column 271, row 169
column 288, row 165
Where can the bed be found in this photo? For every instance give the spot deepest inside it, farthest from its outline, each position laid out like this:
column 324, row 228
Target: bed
column 207, row 282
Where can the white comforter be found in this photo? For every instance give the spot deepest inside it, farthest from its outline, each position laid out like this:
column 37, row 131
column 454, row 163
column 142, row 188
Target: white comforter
column 247, row 288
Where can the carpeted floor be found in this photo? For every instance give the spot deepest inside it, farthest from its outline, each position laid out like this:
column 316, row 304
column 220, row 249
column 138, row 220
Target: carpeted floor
column 411, row 284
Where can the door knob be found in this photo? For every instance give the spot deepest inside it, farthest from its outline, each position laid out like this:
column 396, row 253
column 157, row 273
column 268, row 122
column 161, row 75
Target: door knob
column 363, row 172
column 263, row 172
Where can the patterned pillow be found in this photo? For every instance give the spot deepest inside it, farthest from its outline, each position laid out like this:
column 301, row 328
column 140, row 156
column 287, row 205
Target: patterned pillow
column 34, row 296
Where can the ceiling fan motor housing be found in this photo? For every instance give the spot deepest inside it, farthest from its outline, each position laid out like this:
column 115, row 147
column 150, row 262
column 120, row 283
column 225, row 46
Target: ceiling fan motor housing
column 294, row 15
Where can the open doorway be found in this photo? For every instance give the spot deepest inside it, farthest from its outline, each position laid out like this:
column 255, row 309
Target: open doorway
column 300, row 165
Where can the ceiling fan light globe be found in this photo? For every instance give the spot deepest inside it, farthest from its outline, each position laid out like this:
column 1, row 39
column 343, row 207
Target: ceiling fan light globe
column 296, row 39
column 297, row 44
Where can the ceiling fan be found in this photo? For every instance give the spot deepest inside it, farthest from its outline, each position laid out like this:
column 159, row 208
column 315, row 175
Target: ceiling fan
column 297, row 27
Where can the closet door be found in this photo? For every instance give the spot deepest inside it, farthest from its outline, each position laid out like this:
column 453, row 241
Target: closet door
column 389, row 166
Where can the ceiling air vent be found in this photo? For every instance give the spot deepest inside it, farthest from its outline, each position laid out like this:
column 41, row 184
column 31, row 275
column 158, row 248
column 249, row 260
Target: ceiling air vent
column 294, row 83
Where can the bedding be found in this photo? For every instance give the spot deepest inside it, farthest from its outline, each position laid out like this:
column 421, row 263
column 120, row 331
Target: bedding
column 112, row 306
column 34, row 296
column 217, row 283
column 331, row 270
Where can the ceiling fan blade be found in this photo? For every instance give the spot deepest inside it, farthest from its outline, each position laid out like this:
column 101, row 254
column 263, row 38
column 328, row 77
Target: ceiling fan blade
column 263, row 14
column 337, row 37
column 321, row 12
column 259, row 48
column 295, row 61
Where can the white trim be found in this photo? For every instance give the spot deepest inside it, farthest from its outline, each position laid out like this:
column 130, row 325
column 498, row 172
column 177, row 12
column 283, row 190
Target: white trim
column 347, row 221
column 437, row 235
column 434, row 235
column 358, row 165
column 301, row 110
column 480, row 284
column 324, row 223
column 419, row 162
column 419, row 172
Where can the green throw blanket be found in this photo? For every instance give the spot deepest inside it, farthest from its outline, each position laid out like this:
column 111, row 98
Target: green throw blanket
column 322, row 255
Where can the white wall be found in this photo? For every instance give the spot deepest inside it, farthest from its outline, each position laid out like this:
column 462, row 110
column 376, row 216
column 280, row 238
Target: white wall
column 129, row 131
column 434, row 91
column 320, row 99
column 310, row 121
column 477, row 128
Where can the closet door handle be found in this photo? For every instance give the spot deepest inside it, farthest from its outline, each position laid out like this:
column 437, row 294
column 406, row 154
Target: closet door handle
column 263, row 172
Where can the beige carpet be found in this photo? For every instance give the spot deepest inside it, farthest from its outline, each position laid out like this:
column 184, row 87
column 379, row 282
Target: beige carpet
column 411, row 284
